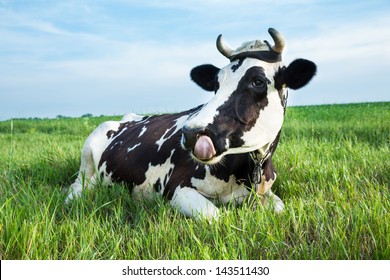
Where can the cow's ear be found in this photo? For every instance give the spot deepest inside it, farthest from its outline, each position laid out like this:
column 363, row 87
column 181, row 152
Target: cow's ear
column 297, row 74
column 204, row 76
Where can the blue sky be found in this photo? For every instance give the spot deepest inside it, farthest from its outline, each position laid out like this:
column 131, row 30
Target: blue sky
column 112, row 57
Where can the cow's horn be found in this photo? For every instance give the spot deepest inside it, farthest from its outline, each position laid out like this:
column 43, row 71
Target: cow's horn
column 223, row 47
column 278, row 39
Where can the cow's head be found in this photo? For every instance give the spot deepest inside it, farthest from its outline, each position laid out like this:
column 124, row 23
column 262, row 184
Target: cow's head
column 247, row 111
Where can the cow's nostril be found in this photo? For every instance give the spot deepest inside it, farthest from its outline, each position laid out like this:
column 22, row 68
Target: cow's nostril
column 190, row 136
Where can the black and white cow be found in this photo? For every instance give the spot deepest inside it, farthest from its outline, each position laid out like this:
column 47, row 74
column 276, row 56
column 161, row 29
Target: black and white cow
column 216, row 153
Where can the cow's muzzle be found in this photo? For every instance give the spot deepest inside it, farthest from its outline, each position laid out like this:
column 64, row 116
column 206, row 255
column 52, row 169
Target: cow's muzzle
column 199, row 141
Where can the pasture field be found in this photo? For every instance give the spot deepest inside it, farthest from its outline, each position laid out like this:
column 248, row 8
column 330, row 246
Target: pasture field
column 333, row 163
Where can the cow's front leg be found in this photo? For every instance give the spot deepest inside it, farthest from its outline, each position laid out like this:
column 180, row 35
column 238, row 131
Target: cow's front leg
column 191, row 203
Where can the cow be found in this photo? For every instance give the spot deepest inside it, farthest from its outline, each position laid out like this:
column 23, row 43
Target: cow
column 214, row 154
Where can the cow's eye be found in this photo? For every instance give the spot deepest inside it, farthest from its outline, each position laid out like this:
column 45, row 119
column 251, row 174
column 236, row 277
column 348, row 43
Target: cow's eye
column 258, row 83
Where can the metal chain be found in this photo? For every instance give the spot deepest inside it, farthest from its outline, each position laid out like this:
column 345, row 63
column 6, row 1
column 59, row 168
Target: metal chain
column 256, row 174
column 285, row 101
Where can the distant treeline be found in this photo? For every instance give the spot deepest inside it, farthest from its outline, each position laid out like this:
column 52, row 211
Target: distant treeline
column 58, row 117
column 82, row 116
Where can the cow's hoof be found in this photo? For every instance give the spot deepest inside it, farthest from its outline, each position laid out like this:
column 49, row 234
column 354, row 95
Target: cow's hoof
column 272, row 201
column 278, row 204
column 74, row 192
column 210, row 216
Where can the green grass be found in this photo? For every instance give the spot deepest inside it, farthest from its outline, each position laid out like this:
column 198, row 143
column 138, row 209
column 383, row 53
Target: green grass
column 334, row 174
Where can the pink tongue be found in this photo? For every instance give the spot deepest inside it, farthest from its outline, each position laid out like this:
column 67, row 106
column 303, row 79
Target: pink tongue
column 204, row 148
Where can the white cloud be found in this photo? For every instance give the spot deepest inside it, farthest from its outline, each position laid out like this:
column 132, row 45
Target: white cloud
column 355, row 40
column 352, row 61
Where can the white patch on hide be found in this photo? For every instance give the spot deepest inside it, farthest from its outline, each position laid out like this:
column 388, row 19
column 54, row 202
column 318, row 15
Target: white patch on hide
column 267, row 125
column 115, row 144
column 153, row 174
column 132, row 148
column 97, row 141
column 131, row 117
column 225, row 192
column 107, row 176
column 142, row 131
column 177, row 126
